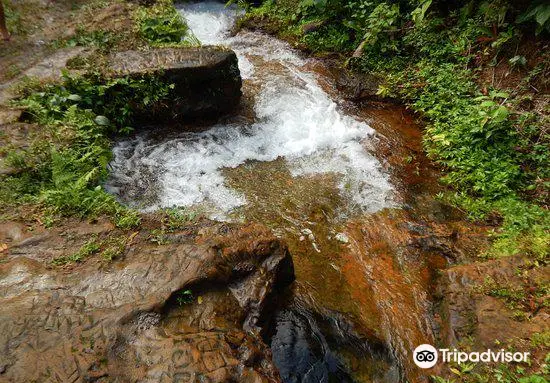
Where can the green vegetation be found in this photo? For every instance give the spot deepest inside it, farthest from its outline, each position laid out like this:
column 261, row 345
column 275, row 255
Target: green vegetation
column 110, row 248
column 65, row 164
column 541, row 339
column 156, row 25
column 432, row 55
column 171, row 220
column 114, row 247
column 161, row 24
column 539, row 12
column 523, row 300
column 13, row 19
column 184, row 297
column 177, row 218
column 104, row 40
column 89, row 248
column 484, row 374
column 531, row 372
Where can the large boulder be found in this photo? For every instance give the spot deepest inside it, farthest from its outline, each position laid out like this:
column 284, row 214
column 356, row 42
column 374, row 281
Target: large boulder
column 133, row 320
column 207, row 79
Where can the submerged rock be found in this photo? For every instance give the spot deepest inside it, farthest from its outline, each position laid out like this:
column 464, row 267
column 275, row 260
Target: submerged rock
column 311, row 347
column 206, row 80
column 126, row 323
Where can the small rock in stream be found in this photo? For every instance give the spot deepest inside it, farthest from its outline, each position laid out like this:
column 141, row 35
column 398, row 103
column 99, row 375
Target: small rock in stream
column 341, row 237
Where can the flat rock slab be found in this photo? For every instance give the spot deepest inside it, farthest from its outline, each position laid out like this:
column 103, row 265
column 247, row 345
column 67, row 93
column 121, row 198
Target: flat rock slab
column 206, row 80
column 168, row 59
column 48, row 69
column 123, row 322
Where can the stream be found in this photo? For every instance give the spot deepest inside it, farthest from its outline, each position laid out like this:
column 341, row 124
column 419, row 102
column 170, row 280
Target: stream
column 296, row 127
column 297, row 160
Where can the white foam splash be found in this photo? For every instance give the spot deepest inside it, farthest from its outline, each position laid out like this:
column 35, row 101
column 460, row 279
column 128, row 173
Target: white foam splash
column 210, row 21
column 296, row 120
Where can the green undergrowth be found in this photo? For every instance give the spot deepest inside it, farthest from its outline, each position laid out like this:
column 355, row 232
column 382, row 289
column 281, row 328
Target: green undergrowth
column 432, row 55
column 104, row 40
column 532, row 371
column 524, row 300
column 156, row 25
column 502, row 373
column 109, row 249
column 162, row 25
column 90, row 248
column 13, row 19
column 65, row 164
column 172, row 220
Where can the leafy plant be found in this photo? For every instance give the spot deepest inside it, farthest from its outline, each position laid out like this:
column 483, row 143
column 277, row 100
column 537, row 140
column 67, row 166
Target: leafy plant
column 539, row 12
column 418, row 14
column 439, row 379
column 541, row 339
column 462, row 369
column 161, row 24
column 378, row 24
column 167, row 29
column 159, row 236
column 89, row 248
column 114, row 247
column 517, row 61
column 13, row 19
column 102, row 39
column 177, row 218
column 184, row 297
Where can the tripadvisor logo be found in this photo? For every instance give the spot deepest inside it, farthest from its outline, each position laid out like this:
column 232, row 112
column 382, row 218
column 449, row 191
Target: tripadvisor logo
column 426, row 356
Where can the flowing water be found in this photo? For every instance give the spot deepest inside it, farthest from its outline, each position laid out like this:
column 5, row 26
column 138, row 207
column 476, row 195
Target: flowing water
column 296, row 161
column 295, row 122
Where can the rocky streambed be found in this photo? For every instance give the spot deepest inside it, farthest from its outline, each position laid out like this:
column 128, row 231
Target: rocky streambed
column 127, row 322
column 320, row 254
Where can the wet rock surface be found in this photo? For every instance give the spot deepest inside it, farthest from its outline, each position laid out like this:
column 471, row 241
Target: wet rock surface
column 207, row 79
column 310, row 345
column 467, row 312
column 124, row 321
column 356, row 86
column 301, row 351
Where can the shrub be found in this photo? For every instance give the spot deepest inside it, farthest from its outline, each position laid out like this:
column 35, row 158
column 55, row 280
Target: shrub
column 65, row 166
column 161, row 24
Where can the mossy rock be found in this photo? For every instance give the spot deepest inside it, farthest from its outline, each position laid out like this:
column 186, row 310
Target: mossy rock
column 206, row 80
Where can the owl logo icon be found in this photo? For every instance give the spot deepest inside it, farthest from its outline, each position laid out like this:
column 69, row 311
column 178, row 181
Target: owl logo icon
column 425, row 356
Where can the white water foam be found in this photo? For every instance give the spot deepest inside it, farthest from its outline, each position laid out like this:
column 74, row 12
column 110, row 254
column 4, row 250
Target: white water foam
column 295, row 120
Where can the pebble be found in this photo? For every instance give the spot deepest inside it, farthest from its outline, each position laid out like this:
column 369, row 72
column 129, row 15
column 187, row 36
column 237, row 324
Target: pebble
column 341, row 237
column 308, row 233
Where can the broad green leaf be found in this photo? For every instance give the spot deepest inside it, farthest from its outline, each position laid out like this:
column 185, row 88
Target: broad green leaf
column 102, row 121
column 74, row 97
